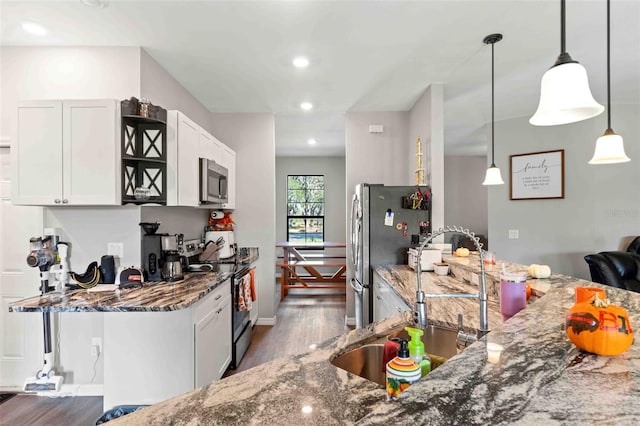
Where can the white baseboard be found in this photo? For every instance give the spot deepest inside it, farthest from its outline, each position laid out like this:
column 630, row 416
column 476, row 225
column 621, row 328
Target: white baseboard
column 350, row 320
column 266, row 321
column 65, row 390
column 83, row 390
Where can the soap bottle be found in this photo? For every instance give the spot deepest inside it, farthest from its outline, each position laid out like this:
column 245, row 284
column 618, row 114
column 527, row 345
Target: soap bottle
column 402, row 372
column 416, row 350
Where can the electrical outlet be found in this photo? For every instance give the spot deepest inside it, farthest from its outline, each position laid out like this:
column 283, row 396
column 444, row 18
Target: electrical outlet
column 96, row 346
column 115, row 249
column 514, row 234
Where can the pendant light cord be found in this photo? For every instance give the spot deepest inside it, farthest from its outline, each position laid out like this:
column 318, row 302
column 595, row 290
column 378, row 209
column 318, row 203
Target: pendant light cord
column 563, row 46
column 608, row 65
column 493, row 164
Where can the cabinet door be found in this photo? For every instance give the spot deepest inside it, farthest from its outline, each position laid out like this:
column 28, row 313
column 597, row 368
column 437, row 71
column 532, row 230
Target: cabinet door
column 210, row 147
column 90, row 153
column 36, row 157
column 229, row 161
column 213, row 343
column 188, row 166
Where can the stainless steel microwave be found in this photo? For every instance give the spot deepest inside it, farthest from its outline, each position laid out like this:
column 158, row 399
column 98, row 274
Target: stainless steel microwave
column 213, row 182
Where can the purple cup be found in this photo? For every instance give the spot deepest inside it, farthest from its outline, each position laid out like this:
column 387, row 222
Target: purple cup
column 513, row 293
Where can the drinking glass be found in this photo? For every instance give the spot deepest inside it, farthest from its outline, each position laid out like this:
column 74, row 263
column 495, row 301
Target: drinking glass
column 513, row 293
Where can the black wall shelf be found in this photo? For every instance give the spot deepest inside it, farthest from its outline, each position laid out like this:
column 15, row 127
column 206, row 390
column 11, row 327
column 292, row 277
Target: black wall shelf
column 144, row 154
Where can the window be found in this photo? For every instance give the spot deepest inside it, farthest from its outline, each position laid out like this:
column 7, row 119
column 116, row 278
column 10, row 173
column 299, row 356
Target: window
column 305, row 208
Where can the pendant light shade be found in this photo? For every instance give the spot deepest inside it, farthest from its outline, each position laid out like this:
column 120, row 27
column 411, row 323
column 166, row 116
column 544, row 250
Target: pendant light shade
column 565, row 96
column 493, row 176
column 609, row 149
column 609, row 146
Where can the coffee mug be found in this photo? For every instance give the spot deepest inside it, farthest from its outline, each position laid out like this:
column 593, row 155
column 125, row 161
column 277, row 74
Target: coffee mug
column 584, row 294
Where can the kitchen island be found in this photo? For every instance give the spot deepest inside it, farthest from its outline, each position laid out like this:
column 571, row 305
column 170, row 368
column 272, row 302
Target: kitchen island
column 160, row 340
column 541, row 378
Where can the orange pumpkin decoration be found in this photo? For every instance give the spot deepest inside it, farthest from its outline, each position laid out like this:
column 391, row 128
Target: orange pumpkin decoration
column 599, row 327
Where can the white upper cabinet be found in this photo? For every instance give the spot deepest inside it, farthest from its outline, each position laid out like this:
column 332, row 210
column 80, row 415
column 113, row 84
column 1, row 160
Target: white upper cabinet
column 210, row 147
column 187, row 142
column 67, row 153
column 229, row 161
column 183, row 172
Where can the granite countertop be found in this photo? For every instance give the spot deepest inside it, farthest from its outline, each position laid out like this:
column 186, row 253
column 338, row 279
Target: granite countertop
column 152, row 296
column 541, row 378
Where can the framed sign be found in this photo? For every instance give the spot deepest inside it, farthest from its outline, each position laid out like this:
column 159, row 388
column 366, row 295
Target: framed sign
column 537, row 175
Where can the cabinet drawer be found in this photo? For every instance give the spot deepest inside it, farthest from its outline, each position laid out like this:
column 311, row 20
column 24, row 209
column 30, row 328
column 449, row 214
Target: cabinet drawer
column 211, row 301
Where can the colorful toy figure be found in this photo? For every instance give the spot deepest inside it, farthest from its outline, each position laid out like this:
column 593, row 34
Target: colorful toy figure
column 221, row 221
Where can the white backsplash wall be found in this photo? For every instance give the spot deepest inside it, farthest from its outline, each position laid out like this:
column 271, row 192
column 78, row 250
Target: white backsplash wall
column 89, row 230
column 177, row 220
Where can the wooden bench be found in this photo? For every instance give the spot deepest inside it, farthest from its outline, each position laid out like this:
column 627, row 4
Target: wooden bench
column 292, row 277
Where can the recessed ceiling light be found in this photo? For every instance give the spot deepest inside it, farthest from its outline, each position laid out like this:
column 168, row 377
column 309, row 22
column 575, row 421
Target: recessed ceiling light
column 307, row 409
column 306, row 106
column 300, row 62
column 33, row 28
column 311, row 141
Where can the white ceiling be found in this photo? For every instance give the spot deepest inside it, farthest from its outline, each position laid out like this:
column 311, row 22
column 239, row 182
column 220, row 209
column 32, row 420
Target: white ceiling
column 236, row 56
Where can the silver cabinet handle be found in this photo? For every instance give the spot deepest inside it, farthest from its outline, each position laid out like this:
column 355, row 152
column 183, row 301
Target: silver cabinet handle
column 65, row 201
column 218, row 311
column 378, row 297
column 218, row 297
column 57, row 201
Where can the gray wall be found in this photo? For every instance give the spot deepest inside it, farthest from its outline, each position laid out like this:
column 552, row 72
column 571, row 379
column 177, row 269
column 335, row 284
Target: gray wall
column 465, row 198
column 333, row 169
column 252, row 136
column 162, row 89
column 601, row 204
column 177, row 220
column 426, row 119
column 374, row 158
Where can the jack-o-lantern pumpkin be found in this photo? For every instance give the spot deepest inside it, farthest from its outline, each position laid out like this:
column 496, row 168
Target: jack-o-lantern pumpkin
column 599, row 327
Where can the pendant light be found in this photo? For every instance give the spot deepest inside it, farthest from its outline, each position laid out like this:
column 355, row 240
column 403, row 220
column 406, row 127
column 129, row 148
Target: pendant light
column 565, row 96
column 609, row 146
column 493, row 176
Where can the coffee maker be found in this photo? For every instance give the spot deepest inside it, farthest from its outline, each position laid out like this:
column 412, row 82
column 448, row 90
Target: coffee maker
column 152, row 256
column 172, row 258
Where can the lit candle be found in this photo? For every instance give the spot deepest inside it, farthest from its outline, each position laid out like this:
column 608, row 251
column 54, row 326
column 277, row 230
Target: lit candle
column 493, row 352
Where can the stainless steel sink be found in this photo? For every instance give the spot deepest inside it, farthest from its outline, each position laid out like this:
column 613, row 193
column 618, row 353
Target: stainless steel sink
column 366, row 361
column 437, row 340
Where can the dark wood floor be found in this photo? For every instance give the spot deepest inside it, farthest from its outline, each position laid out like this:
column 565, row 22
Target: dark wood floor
column 35, row 410
column 302, row 320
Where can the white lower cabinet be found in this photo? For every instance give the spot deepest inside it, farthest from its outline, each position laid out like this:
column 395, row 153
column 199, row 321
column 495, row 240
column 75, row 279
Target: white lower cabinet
column 212, row 339
column 153, row 356
column 386, row 302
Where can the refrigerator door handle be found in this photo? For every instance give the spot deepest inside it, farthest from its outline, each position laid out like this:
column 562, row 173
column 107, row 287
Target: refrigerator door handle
column 356, row 286
column 355, row 231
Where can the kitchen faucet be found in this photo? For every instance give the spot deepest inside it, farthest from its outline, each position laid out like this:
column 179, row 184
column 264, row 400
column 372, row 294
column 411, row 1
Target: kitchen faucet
column 421, row 307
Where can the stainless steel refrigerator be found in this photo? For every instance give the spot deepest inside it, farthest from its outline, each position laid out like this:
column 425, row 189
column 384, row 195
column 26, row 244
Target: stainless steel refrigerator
column 383, row 221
